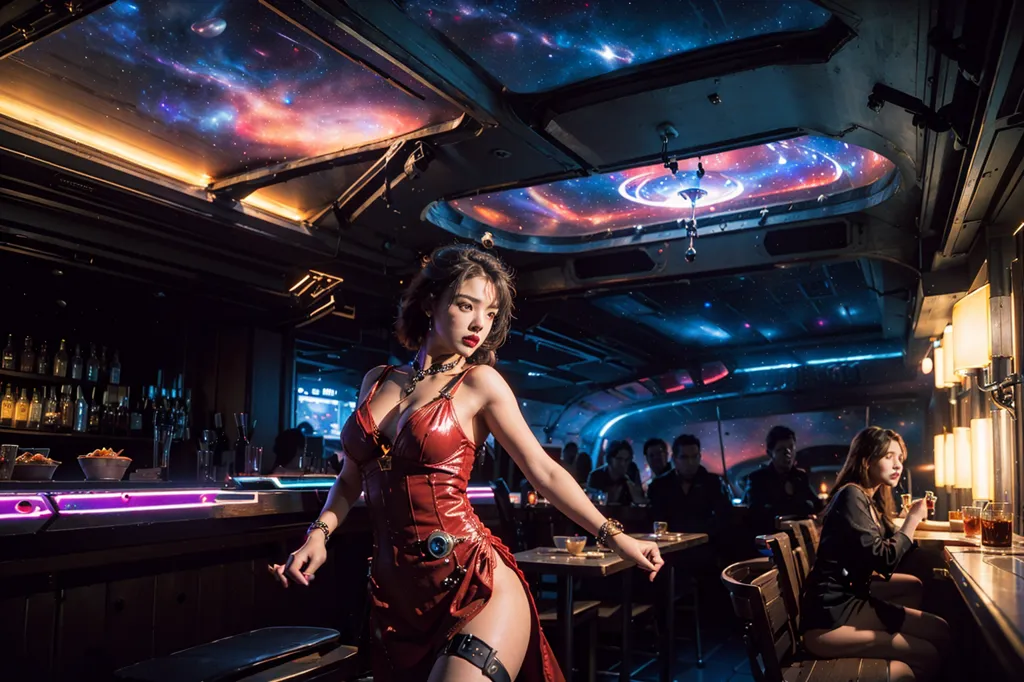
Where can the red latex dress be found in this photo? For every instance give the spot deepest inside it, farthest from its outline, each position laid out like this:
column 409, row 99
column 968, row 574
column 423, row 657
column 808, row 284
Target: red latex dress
column 413, row 488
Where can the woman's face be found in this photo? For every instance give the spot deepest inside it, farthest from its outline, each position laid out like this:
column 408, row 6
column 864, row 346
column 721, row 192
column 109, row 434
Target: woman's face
column 465, row 322
column 888, row 469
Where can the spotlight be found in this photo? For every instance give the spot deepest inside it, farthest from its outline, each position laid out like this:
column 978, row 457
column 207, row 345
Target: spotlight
column 691, row 254
column 487, row 240
column 927, row 365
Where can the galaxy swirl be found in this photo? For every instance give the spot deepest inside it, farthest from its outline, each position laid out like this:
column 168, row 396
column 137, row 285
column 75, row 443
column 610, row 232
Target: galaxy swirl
column 230, row 78
column 537, row 45
column 801, row 169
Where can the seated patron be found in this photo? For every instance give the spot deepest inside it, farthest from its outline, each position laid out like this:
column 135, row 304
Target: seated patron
column 582, row 467
column 656, row 454
column 845, row 611
column 778, row 487
column 615, row 478
column 688, row 496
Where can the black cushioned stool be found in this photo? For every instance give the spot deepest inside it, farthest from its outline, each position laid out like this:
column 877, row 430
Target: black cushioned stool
column 267, row 655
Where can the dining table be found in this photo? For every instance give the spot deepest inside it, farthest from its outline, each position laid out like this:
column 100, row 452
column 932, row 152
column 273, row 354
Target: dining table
column 601, row 563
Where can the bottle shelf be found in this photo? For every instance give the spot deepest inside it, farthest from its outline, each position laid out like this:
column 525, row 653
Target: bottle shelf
column 49, row 378
column 74, row 435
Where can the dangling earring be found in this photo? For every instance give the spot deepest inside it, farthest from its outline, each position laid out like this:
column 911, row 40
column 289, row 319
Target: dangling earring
column 431, row 324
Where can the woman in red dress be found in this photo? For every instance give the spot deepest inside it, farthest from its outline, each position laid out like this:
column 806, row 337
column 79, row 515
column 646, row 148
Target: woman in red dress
column 449, row 602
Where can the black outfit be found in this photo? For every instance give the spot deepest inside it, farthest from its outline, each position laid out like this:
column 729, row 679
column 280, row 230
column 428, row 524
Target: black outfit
column 601, row 480
column 771, row 494
column 704, row 509
column 852, row 547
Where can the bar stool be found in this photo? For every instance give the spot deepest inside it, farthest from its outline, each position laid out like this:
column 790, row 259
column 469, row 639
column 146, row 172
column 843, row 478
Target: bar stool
column 268, row 655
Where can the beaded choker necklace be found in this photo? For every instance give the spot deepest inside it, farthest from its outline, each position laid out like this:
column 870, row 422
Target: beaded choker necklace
column 419, row 374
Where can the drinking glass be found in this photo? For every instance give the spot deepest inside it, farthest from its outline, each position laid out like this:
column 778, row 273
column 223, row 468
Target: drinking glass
column 997, row 525
column 8, row 453
column 575, row 545
column 955, row 515
column 253, row 459
column 972, row 521
column 906, row 500
column 660, row 528
column 204, row 467
column 929, row 501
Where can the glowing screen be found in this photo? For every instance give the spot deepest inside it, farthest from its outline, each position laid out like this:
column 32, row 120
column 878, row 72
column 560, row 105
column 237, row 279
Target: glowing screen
column 535, row 45
column 213, row 87
column 818, row 170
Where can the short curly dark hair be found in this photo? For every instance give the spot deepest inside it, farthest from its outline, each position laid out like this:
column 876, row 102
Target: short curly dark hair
column 445, row 271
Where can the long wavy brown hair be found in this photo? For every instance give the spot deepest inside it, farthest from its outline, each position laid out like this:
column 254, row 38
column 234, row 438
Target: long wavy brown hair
column 867, row 447
column 445, row 271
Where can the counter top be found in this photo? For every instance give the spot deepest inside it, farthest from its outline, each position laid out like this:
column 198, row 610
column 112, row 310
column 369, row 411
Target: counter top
column 992, row 585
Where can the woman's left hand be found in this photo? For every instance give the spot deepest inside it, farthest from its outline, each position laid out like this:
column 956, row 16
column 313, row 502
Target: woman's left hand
column 645, row 554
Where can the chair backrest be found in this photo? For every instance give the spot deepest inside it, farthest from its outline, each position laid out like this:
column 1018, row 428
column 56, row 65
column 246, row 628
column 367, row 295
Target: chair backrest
column 797, row 537
column 802, row 567
column 757, row 593
column 510, row 534
column 785, row 561
column 811, row 537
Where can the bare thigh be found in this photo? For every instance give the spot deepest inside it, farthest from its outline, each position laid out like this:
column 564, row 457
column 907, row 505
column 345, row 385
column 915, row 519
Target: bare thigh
column 918, row 643
column 903, row 589
column 503, row 624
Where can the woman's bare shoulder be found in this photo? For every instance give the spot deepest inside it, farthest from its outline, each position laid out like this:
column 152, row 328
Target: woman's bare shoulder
column 369, row 379
column 487, row 380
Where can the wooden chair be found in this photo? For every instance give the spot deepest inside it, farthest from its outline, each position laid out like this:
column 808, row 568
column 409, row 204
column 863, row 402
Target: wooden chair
column 798, row 539
column 509, row 529
column 785, row 562
column 584, row 613
column 811, row 538
column 758, row 590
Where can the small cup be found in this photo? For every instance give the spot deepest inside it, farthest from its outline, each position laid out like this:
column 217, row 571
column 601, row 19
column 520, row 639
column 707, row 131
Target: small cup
column 997, row 525
column 253, row 460
column 660, row 528
column 204, row 467
column 906, row 499
column 972, row 521
column 575, row 545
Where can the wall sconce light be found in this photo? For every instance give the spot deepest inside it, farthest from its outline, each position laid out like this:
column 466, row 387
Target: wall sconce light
column 940, row 366
column 949, row 460
column 973, row 348
column 939, row 455
column 927, row 365
column 948, row 371
column 982, row 456
column 962, row 448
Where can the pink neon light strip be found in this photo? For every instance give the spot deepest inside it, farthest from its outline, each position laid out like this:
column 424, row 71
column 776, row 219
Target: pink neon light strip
column 156, row 500
column 39, row 507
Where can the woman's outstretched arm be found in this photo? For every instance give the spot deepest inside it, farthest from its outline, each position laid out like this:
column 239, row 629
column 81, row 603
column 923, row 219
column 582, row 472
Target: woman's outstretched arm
column 501, row 413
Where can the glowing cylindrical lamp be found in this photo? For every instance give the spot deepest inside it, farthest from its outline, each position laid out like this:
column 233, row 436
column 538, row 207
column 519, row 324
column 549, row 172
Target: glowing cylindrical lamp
column 972, row 345
column 949, row 374
column 939, row 455
column 982, row 458
column 949, row 460
column 940, row 367
column 962, row 448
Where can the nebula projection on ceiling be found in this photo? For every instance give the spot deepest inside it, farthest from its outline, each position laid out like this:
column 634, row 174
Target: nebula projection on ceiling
column 231, row 82
column 537, row 45
column 803, row 169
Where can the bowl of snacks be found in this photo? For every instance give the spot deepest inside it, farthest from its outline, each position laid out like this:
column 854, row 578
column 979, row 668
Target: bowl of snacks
column 34, row 466
column 104, row 465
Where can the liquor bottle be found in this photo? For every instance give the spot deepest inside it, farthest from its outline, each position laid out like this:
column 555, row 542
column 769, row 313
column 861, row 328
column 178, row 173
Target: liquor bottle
column 95, row 413
column 241, row 442
column 60, row 361
column 67, row 408
column 92, row 365
column 81, row 413
column 102, row 373
column 149, row 410
column 122, row 414
column 21, row 410
column 77, row 363
column 28, row 357
column 51, row 411
column 221, row 446
column 135, row 415
column 10, row 355
column 43, row 360
column 7, row 408
column 115, row 369
column 35, row 411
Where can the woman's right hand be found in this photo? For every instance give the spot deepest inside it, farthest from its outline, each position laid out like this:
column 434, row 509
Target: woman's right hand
column 302, row 564
column 918, row 510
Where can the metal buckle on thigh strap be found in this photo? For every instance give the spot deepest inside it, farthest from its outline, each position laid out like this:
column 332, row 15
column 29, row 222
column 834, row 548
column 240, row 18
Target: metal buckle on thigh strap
column 479, row 653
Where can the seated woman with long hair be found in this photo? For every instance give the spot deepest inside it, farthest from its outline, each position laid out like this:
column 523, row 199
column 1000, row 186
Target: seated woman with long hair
column 845, row 611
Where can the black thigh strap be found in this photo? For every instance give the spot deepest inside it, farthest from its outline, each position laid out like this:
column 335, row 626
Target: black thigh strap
column 480, row 654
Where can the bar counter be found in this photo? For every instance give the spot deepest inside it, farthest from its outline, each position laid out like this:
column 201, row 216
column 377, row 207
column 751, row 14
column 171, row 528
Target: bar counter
column 95, row 576
column 992, row 586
